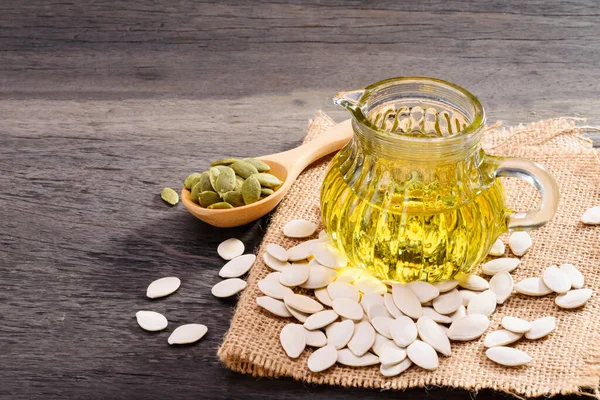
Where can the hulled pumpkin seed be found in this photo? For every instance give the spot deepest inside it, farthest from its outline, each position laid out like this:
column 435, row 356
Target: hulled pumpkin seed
column 204, row 181
column 191, row 180
column 251, row 190
column 220, row 206
column 223, row 161
column 266, row 192
column 244, row 169
column 225, row 181
column 208, row 198
column 260, row 166
column 239, row 181
column 170, row 196
column 234, row 198
column 196, row 190
column 268, row 180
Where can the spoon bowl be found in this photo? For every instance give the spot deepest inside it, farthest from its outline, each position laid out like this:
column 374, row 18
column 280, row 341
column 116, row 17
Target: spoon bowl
column 286, row 166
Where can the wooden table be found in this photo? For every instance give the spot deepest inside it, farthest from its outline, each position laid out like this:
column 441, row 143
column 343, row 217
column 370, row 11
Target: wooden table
column 102, row 104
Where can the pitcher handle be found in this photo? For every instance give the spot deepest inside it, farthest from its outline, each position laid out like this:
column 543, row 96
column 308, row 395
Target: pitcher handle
column 545, row 183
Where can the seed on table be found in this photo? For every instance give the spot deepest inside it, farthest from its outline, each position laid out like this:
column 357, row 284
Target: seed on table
column 379, row 344
column 320, row 319
column 448, row 302
column 378, row 310
column 519, row 243
column 423, row 355
column 466, row 296
column 186, row 334
column 299, row 315
column 322, row 359
column 346, row 357
column 458, row 314
column 556, row 279
column 294, row 275
column 370, row 285
column 472, row 282
column 277, row 251
column 497, row 249
column 323, row 296
column 437, row 317
column 516, row 325
column 388, row 301
column 301, row 251
column 293, row 340
column 468, row 328
column 163, row 287
column 573, row 298
column 574, row 274
column 343, row 289
column 228, row 287
column 499, row 265
column 328, row 256
column 303, row 303
column 532, row 287
column 169, row 196
column 501, row 337
column 339, row 333
column 391, row 354
column 274, row 306
column 432, row 334
column 273, row 275
column 502, row 285
column 237, row 266
column 508, row 356
column 315, row 338
column 299, row 228
column 362, row 339
column 230, row 249
column 403, row 331
column 348, row 308
column 484, row 303
column 382, row 325
column 369, row 300
column 273, row 288
column 318, row 277
column 591, row 216
column 395, row 369
column 540, row 328
column 151, row 321
column 446, row 286
column 407, row 301
column 424, row 291
column 274, row 263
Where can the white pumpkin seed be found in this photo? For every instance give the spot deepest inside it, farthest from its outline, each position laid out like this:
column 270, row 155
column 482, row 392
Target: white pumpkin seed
column 299, row 228
column 274, row 306
column 382, row 325
column 484, row 303
column 369, row 300
column 315, row 338
column 573, row 298
column 318, row 277
column 303, row 303
column 343, row 289
column 391, row 354
column 346, row 357
column 379, row 343
column 340, row 333
column 407, row 301
column 328, row 256
column 349, row 274
column 516, row 325
column 237, row 266
column 497, row 249
column 163, row 287
column 403, row 331
column 362, row 339
column 519, row 243
column 437, row 317
column 556, row 279
column 151, row 321
column 395, row 369
column 228, row 287
column 348, row 308
column 532, row 287
column 508, row 356
column 423, row 355
column 188, row 333
column 322, row 359
column 466, row 296
column 458, row 314
column 431, row 333
column 230, row 249
column 274, row 263
column 499, row 265
column 574, row 274
column 540, row 328
column 591, row 216
column 277, row 251
column 273, row 275
column 320, row 319
column 323, row 235
column 293, row 340
column 501, row 337
column 424, row 291
column 323, row 296
column 273, row 288
column 446, row 286
column 468, row 328
column 369, row 285
column 502, row 285
column 388, row 301
column 378, row 310
column 472, row 282
column 448, row 302
column 299, row 315
column 294, row 275
column 301, row 251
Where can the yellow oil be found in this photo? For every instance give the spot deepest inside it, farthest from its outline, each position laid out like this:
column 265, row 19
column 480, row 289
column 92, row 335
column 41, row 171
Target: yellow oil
column 404, row 223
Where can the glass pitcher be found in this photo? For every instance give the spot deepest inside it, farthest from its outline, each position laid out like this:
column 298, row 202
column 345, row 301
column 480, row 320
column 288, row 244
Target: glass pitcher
column 413, row 196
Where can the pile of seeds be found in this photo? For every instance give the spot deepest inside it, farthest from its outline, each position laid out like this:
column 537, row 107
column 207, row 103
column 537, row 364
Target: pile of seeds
column 232, row 183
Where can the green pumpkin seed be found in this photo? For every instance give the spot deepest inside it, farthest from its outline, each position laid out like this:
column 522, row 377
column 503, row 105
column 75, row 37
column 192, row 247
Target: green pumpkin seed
column 207, row 198
column 251, row 190
column 204, row 182
column 260, row 166
column 223, row 161
column 268, row 180
column 196, row 190
column 191, row 180
column 239, row 181
column 234, row 198
column 214, row 173
column 219, row 206
column 225, row 181
column 170, row 196
column 266, row 192
column 244, row 169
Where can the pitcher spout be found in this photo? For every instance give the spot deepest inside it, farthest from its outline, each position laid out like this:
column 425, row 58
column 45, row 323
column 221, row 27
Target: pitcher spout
column 350, row 99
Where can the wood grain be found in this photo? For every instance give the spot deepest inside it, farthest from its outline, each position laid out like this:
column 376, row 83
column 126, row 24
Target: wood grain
column 102, row 104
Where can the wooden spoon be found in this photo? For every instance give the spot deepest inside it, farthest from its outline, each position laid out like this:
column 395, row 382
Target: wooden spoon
column 286, row 166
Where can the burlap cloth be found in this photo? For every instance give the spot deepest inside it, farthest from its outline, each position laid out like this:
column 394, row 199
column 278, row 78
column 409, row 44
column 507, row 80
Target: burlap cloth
column 568, row 361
